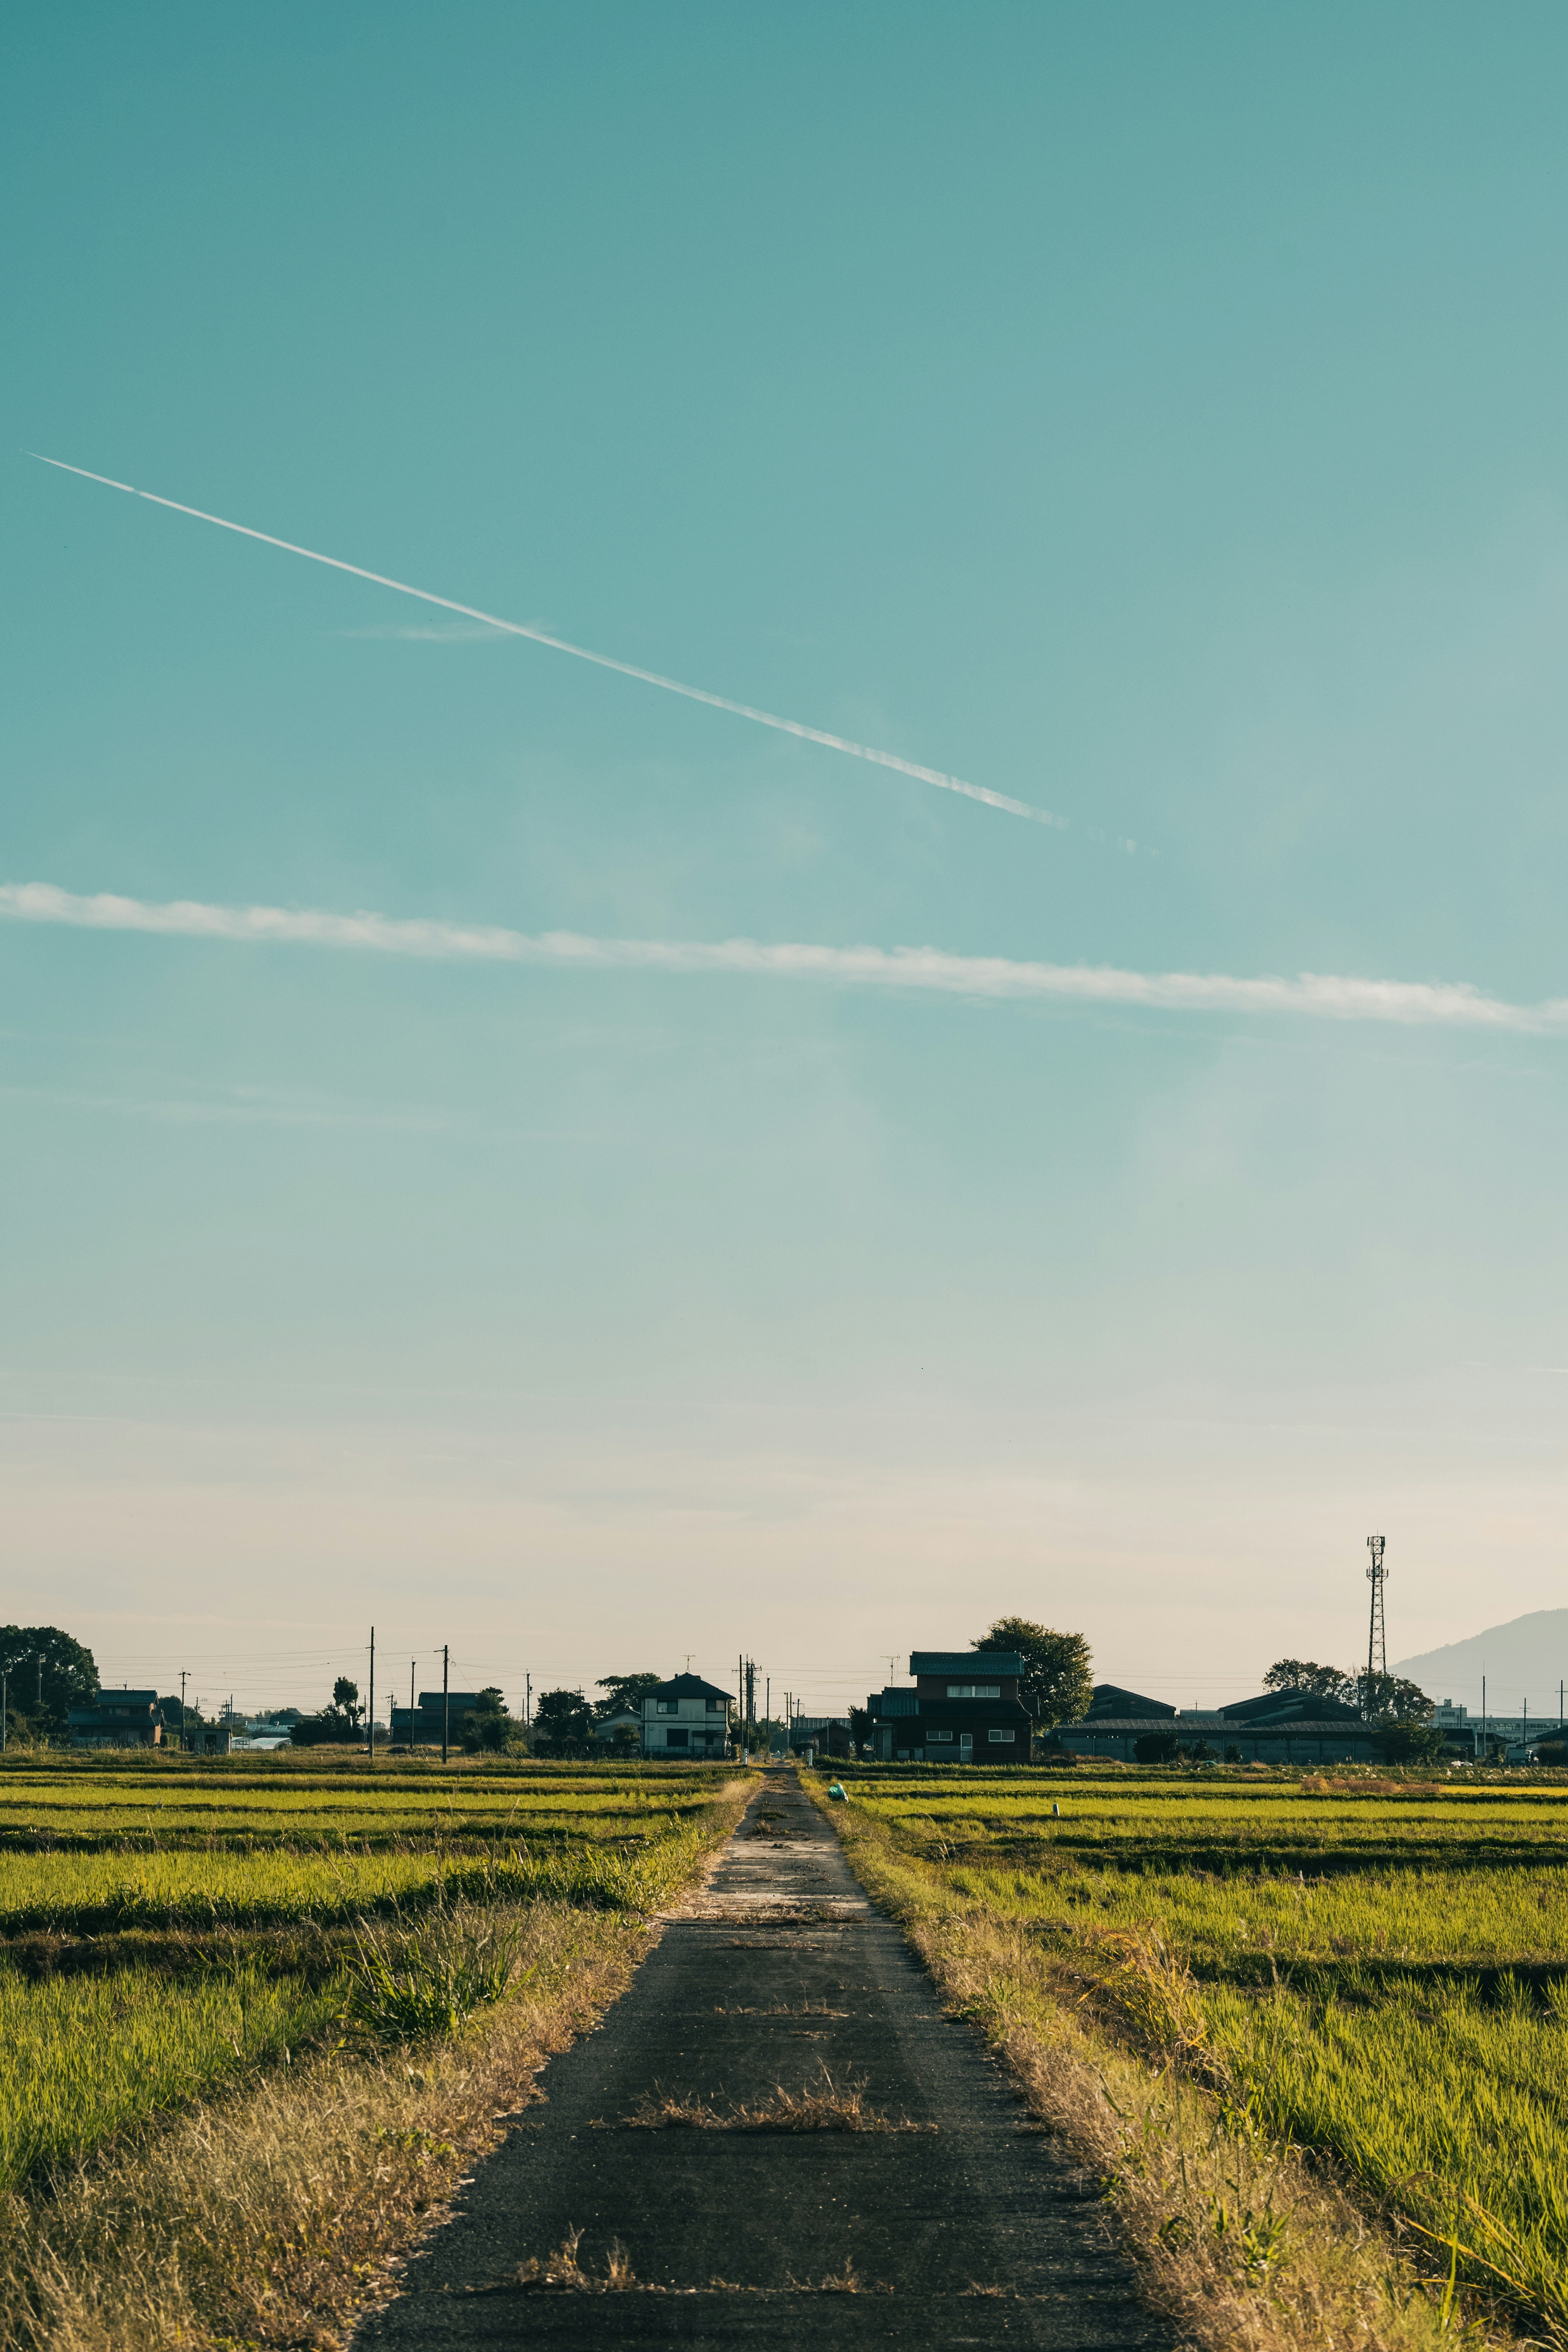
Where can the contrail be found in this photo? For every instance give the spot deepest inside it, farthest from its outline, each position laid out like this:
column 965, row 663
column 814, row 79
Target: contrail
column 1412, row 1003
column 604, row 661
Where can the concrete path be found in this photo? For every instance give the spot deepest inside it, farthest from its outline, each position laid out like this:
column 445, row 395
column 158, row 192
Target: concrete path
column 958, row 2225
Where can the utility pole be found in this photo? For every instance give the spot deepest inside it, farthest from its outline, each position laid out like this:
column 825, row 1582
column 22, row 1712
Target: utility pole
column 1377, row 1631
column 527, row 1700
column 767, row 1712
column 4, row 1679
column 446, row 1699
column 751, row 1703
column 739, row 1707
column 185, row 1677
column 411, row 1664
column 370, row 1716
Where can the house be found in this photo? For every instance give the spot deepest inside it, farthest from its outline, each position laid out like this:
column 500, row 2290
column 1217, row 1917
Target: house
column 426, row 1720
column 1276, row 1727
column 686, row 1717
column 117, row 1719
column 963, row 1709
column 827, row 1734
column 1110, row 1698
column 608, row 1730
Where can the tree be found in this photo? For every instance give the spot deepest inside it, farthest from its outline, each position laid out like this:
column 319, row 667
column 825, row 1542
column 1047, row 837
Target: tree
column 1390, row 1699
column 859, row 1727
column 626, row 1739
column 346, row 1698
column 623, row 1694
column 337, row 1726
column 563, row 1724
column 487, row 1725
column 48, row 1672
column 1058, row 1682
column 1318, row 1682
column 1410, row 1743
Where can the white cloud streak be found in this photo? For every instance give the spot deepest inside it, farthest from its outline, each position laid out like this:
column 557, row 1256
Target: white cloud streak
column 1323, row 996
column 603, row 661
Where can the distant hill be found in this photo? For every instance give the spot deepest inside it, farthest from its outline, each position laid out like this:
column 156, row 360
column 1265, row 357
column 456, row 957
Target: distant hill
column 1526, row 1658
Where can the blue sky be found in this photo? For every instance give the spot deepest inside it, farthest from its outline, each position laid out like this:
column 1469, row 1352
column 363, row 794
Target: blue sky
column 1153, row 415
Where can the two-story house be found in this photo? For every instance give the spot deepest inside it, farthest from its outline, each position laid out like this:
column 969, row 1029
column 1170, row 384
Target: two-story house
column 963, row 1709
column 117, row 1719
column 685, row 1718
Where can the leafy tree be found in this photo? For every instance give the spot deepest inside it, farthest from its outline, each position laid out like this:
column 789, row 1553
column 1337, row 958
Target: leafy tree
column 623, row 1694
column 563, row 1724
column 1390, row 1699
column 1058, row 1680
column 487, row 1727
column 859, row 1727
column 1202, row 1753
column 626, row 1739
column 48, row 1672
column 1410, row 1743
column 346, row 1698
column 1318, row 1682
column 337, row 1726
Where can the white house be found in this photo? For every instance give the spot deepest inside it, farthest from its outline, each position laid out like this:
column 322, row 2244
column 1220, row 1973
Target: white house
column 686, row 1717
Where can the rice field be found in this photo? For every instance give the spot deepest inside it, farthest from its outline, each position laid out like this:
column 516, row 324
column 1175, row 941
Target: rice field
column 173, row 1803
column 1372, row 1968
column 165, row 1928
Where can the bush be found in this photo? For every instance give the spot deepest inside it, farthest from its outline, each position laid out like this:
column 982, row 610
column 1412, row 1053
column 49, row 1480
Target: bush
column 1157, row 1748
column 1409, row 1742
column 404, row 1984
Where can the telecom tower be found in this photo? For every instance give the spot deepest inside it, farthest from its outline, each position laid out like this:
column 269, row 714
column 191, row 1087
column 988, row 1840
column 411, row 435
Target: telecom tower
column 1376, row 1632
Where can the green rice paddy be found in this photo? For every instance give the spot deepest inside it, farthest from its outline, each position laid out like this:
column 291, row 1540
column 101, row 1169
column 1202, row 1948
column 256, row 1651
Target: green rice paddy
column 1381, row 1968
column 166, row 1925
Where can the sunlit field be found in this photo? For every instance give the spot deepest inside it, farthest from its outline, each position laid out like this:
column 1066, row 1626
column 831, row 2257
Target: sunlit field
column 1376, row 1968
column 169, row 1924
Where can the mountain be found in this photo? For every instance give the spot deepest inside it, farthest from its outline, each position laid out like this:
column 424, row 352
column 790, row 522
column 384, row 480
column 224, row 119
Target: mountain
column 1526, row 1658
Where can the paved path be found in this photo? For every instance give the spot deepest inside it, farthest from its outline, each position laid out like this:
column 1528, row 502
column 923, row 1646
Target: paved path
column 777, row 1975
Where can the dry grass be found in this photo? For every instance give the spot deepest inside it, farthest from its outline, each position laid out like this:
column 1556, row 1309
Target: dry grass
column 562, row 2268
column 824, row 2106
column 274, row 2215
column 1244, row 2241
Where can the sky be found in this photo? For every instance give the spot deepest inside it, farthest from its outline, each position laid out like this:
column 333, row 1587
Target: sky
column 1150, row 417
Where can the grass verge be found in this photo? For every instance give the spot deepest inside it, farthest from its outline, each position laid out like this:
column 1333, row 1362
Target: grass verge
column 1245, row 2239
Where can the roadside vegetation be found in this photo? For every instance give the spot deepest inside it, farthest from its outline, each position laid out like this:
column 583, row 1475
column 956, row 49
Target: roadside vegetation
column 1312, row 2031
column 254, row 2024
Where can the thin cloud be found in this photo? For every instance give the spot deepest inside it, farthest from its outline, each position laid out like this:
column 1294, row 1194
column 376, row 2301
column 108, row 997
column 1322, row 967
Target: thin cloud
column 1317, row 995
column 604, row 661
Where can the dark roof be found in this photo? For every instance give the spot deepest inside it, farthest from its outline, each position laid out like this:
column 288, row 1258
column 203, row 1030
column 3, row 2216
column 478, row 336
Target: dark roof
column 429, row 1702
column 144, row 1701
column 1110, row 1698
column 1187, row 1727
column 965, row 1662
column 1290, row 1707
column 686, row 1687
